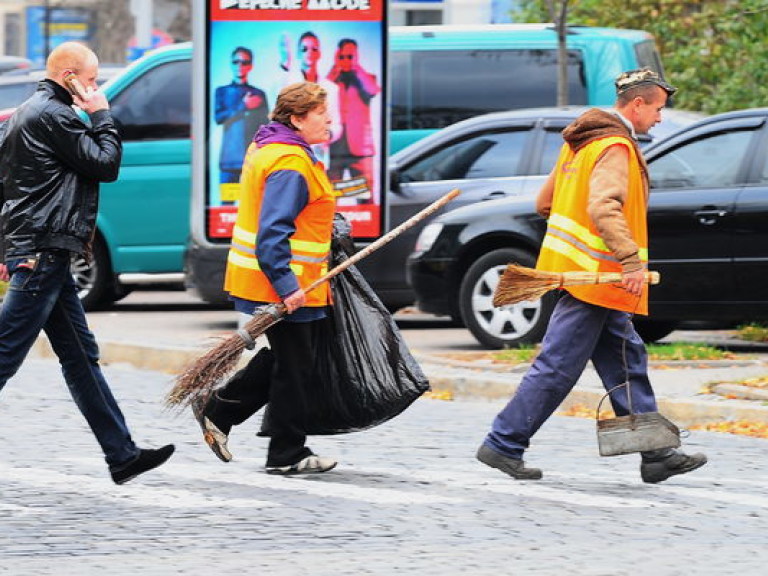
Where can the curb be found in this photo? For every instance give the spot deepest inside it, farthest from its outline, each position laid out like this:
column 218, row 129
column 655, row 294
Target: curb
column 470, row 381
column 683, row 411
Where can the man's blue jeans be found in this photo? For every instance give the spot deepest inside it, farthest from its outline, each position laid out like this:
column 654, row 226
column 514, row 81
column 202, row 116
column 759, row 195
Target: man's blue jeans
column 42, row 296
column 577, row 332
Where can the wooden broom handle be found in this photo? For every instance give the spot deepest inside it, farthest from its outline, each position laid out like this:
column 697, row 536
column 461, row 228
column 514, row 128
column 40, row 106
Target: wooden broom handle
column 651, row 277
column 388, row 237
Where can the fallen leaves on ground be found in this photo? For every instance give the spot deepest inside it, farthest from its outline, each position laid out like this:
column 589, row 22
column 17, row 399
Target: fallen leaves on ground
column 760, row 382
column 582, row 411
column 439, row 395
column 506, row 357
column 688, row 352
column 740, row 427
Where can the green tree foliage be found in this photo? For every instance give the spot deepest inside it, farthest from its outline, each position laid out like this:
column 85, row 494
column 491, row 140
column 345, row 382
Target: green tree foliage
column 715, row 51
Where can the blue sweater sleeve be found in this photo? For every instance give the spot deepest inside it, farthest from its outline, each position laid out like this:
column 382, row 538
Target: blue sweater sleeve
column 285, row 195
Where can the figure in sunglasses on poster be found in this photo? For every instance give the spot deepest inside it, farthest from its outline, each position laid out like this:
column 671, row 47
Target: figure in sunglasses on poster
column 241, row 109
column 303, row 68
column 354, row 151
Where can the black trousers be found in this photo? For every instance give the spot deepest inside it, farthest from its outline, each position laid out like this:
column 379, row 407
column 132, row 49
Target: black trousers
column 276, row 376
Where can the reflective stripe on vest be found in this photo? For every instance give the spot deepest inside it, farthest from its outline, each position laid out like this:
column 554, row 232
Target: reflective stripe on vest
column 244, row 248
column 579, row 244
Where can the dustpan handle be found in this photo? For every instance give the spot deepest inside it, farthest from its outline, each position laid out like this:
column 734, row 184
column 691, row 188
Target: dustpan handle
column 629, row 397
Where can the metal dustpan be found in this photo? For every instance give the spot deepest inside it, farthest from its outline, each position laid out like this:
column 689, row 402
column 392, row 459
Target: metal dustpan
column 635, row 432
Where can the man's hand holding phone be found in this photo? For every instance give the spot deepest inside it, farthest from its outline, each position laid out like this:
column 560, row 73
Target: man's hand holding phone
column 86, row 98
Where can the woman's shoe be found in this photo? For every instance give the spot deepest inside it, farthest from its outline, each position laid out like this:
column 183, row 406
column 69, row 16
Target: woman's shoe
column 312, row 464
column 213, row 436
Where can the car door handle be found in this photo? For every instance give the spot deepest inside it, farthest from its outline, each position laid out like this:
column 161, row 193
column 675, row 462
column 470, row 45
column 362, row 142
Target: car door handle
column 494, row 195
column 709, row 217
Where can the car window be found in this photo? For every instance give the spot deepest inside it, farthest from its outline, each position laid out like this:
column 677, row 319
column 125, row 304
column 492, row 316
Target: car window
column 13, row 94
column 764, row 172
column 712, row 162
column 489, row 155
column 157, row 105
column 553, row 142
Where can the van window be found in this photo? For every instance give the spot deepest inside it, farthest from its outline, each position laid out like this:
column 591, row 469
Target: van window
column 157, row 106
column 435, row 88
column 648, row 56
column 487, row 155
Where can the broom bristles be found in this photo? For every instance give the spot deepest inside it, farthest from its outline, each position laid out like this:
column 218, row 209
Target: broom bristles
column 519, row 283
column 202, row 376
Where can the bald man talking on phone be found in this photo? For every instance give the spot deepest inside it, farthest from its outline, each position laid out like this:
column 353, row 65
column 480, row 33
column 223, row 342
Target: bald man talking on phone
column 51, row 164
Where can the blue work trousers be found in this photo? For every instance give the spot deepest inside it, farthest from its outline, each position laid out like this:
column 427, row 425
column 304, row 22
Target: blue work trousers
column 42, row 295
column 577, row 332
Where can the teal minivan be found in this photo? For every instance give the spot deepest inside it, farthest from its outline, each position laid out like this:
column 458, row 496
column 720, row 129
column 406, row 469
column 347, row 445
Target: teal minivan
column 438, row 76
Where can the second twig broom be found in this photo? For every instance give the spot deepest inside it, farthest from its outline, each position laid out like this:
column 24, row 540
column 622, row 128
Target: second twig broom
column 518, row 283
column 206, row 373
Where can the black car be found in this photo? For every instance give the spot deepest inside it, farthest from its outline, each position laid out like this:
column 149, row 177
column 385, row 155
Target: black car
column 487, row 157
column 708, row 226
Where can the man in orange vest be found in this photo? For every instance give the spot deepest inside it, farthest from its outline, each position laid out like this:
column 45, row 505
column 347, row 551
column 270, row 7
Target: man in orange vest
column 595, row 200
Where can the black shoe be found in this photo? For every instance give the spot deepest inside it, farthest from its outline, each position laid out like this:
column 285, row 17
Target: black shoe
column 514, row 467
column 653, row 471
column 213, row 436
column 145, row 461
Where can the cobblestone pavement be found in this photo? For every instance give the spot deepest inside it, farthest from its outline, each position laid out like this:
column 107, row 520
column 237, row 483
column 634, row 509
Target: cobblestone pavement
column 408, row 497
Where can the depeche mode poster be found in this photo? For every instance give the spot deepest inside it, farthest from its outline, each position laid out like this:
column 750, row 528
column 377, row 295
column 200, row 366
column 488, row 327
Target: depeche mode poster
column 255, row 48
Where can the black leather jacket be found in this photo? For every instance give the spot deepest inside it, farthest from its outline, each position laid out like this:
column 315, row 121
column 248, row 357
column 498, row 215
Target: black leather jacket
column 51, row 164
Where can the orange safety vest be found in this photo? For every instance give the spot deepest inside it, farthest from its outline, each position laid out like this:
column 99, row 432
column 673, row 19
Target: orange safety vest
column 310, row 244
column 573, row 243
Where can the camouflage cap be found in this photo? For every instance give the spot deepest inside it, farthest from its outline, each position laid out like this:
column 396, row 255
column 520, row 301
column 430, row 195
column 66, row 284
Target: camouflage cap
column 641, row 77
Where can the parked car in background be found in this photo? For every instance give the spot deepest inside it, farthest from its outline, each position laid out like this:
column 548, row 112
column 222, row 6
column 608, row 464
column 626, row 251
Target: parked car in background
column 11, row 63
column 488, row 157
column 707, row 218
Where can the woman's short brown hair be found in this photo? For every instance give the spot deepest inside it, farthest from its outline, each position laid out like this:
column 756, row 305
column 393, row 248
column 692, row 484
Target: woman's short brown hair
column 297, row 100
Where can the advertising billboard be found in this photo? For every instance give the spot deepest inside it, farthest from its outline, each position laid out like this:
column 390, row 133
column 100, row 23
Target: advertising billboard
column 253, row 49
column 63, row 24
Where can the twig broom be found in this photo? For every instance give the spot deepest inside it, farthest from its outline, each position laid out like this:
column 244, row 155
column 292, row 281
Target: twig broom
column 519, row 283
column 203, row 375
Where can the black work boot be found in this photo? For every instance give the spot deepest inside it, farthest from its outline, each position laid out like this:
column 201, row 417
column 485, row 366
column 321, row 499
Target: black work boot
column 659, row 465
column 512, row 466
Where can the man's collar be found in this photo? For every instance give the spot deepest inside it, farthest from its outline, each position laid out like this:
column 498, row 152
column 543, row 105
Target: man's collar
column 626, row 122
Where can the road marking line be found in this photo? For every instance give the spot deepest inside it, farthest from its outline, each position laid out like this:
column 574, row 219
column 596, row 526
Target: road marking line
column 527, row 489
column 324, row 485
column 130, row 494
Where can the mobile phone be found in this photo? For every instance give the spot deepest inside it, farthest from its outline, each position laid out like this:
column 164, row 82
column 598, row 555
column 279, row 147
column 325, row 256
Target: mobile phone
column 74, row 85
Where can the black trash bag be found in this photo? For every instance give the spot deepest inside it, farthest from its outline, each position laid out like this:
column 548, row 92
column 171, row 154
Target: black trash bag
column 365, row 373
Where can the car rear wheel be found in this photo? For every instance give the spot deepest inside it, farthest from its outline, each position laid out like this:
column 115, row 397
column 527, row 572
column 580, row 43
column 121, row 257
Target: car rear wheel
column 95, row 286
column 653, row 330
column 509, row 326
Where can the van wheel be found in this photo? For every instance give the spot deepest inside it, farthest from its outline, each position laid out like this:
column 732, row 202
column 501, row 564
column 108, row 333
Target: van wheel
column 94, row 282
column 653, row 330
column 509, row 326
